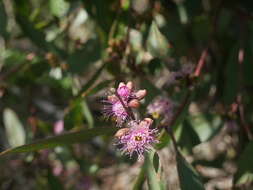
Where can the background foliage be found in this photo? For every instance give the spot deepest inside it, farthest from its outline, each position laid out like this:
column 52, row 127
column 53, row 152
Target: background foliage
column 58, row 58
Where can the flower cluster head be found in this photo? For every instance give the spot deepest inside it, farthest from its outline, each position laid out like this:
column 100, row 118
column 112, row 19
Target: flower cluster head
column 186, row 69
column 161, row 107
column 138, row 138
column 123, row 99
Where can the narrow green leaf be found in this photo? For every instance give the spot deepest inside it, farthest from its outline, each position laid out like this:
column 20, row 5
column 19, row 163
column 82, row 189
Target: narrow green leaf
column 3, row 21
column 87, row 114
column 74, row 116
column 152, row 177
column 37, row 36
column 14, row 128
column 140, row 179
column 206, row 126
column 189, row 138
column 182, row 13
column 157, row 43
column 188, row 177
column 61, row 140
column 231, row 76
column 81, row 59
column 245, row 169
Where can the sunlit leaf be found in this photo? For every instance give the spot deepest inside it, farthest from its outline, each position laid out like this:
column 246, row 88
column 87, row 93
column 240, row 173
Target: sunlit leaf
column 157, row 44
column 62, row 140
column 14, row 128
column 140, row 179
column 206, row 126
column 152, row 176
column 59, row 7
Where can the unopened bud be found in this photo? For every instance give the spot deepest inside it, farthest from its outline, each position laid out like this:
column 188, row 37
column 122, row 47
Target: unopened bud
column 112, row 90
column 146, row 122
column 141, row 94
column 134, row 103
column 121, row 84
column 121, row 132
column 112, row 98
column 130, row 85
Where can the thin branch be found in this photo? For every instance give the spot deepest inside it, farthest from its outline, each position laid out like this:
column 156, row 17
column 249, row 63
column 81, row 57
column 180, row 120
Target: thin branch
column 201, row 63
column 168, row 127
column 170, row 132
column 181, row 108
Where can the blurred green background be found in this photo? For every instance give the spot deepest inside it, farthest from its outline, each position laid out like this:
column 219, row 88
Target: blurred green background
column 58, row 58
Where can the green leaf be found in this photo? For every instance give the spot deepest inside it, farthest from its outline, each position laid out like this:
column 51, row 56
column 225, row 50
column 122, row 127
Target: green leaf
column 3, row 21
column 37, row 36
column 59, row 8
column 182, row 13
column 87, row 113
column 231, row 76
column 14, row 128
column 205, row 125
column 93, row 78
column 140, row 179
column 81, row 59
column 245, row 169
column 12, row 57
column 74, row 116
column 189, row 138
column 188, row 177
column 62, row 140
column 53, row 181
column 157, row 43
column 247, row 64
column 152, row 176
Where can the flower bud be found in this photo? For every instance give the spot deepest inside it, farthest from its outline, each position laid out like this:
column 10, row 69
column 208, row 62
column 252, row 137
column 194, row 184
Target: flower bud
column 134, row 103
column 121, row 132
column 141, row 94
column 130, row 85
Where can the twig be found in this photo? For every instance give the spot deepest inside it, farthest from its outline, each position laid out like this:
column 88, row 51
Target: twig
column 170, row 132
column 201, row 63
column 241, row 53
column 168, row 127
column 180, row 109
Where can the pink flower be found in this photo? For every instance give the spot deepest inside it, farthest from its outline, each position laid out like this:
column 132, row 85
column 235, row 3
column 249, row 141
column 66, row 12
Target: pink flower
column 58, row 127
column 187, row 68
column 114, row 107
column 138, row 138
column 124, row 91
column 161, row 107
